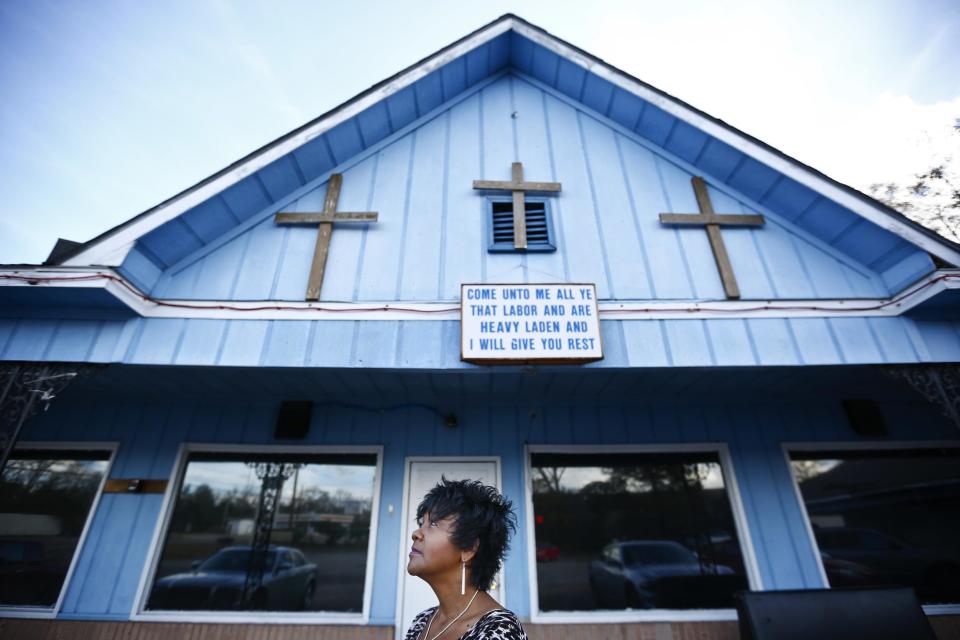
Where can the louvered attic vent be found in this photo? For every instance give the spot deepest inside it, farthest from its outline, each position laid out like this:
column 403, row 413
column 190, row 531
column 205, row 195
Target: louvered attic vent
column 539, row 226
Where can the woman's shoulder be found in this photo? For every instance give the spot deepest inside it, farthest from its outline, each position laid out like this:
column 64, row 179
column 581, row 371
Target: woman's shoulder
column 419, row 623
column 497, row 624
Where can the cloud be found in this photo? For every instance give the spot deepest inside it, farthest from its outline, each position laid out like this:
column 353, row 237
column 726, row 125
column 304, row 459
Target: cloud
column 890, row 139
column 850, row 104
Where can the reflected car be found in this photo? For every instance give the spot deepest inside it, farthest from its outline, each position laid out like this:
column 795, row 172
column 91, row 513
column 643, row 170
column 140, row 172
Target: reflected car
column 27, row 576
column 883, row 559
column 646, row 574
column 843, row 573
column 289, row 582
column 547, row 552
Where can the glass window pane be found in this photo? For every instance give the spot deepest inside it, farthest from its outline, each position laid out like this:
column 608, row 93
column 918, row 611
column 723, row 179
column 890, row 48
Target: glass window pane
column 310, row 554
column 889, row 517
column 45, row 499
column 634, row 531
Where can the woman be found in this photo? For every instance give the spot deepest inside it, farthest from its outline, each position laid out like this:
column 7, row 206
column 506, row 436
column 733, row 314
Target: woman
column 462, row 536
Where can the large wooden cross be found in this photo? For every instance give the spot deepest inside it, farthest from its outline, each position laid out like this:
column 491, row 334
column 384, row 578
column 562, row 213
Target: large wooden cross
column 519, row 188
column 324, row 220
column 713, row 222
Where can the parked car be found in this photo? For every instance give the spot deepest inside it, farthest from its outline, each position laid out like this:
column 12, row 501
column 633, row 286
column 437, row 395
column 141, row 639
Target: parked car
column 644, row 574
column 289, row 582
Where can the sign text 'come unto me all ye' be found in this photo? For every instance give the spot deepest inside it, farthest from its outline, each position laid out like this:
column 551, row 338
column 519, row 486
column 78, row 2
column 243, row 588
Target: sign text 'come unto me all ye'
column 520, row 323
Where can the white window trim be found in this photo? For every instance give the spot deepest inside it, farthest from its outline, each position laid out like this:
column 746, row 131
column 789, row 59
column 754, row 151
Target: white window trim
column 754, row 578
column 401, row 558
column 787, row 447
column 7, row 611
column 139, row 610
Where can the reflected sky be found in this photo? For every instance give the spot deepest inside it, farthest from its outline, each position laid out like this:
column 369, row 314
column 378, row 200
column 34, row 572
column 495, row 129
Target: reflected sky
column 229, row 476
column 814, row 468
column 575, row 478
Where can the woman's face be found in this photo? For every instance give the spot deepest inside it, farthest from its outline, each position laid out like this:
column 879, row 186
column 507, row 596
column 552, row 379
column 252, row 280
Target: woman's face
column 432, row 552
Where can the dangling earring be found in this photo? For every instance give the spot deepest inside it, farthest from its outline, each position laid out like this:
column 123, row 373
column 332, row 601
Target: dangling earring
column 463, row 577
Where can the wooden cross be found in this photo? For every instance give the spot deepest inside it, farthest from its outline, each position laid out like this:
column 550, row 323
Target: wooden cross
column 519, row 188
column 713, row 222
column 324, row 219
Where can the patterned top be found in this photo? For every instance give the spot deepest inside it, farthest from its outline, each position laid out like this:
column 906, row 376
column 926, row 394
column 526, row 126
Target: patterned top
column 496, row 624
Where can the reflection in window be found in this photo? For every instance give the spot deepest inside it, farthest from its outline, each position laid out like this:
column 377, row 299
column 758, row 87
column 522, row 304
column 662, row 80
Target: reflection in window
column 278, row 532
column 45, row 499
column 882, row 518
column 634, row 531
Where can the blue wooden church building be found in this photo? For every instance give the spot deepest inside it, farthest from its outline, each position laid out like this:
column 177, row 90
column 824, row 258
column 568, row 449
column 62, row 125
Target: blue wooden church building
column 695, row 365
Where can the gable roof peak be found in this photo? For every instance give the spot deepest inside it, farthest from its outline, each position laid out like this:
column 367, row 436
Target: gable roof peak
column 506, row 34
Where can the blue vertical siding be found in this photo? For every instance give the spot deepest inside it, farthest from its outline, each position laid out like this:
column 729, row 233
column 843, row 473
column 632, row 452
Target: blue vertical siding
column 435, row 344
column 115, row 551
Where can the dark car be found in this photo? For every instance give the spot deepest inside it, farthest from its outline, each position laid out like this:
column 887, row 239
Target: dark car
column 27, row 575
column 644, row 574
column 289, row 582
column 883, row 559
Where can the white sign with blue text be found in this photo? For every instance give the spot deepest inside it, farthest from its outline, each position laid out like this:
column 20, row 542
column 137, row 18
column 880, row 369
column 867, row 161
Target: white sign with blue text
column 518, row 323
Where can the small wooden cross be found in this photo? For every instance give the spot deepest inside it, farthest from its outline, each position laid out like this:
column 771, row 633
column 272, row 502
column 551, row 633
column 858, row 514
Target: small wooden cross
column 519, row 188
column 713, row 222
column 324, row 219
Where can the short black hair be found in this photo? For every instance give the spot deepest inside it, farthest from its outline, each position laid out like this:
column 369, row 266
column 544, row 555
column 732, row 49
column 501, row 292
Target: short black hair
column 482, row 514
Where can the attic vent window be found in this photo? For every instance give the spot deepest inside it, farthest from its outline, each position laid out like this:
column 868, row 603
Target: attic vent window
column 539, row 226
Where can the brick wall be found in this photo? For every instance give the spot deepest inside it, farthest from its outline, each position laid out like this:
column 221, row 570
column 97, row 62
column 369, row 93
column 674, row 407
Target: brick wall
column 946, row 627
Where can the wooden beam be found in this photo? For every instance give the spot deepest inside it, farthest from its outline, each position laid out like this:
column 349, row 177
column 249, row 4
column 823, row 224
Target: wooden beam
column 316, row 218
column 726, row 220
column 712, row 222
column 333, row 193
column 134, row 485
column 519, row 210
column 319, row 264
column 730, row 286
column 529, row 187
column 324, row 221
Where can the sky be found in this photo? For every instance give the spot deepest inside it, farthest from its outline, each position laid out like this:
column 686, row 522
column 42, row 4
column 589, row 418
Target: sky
column 110, row 108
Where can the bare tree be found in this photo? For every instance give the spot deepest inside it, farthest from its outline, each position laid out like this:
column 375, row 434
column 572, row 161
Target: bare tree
column 932, row 198
column 549, row 479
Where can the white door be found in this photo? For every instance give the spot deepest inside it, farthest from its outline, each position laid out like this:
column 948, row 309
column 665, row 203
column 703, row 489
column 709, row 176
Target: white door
column 415, row 595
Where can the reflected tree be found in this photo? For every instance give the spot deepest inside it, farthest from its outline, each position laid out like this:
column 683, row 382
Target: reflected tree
column 931, row 197
column 51, row 486
column 272, row 475
column 548, row 479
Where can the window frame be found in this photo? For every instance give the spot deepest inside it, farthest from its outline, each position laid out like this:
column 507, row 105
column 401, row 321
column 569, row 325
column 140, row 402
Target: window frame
column 847, row 445
column 110, row 448
column 139, row 609
column 503, row 247
column 751, row 567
